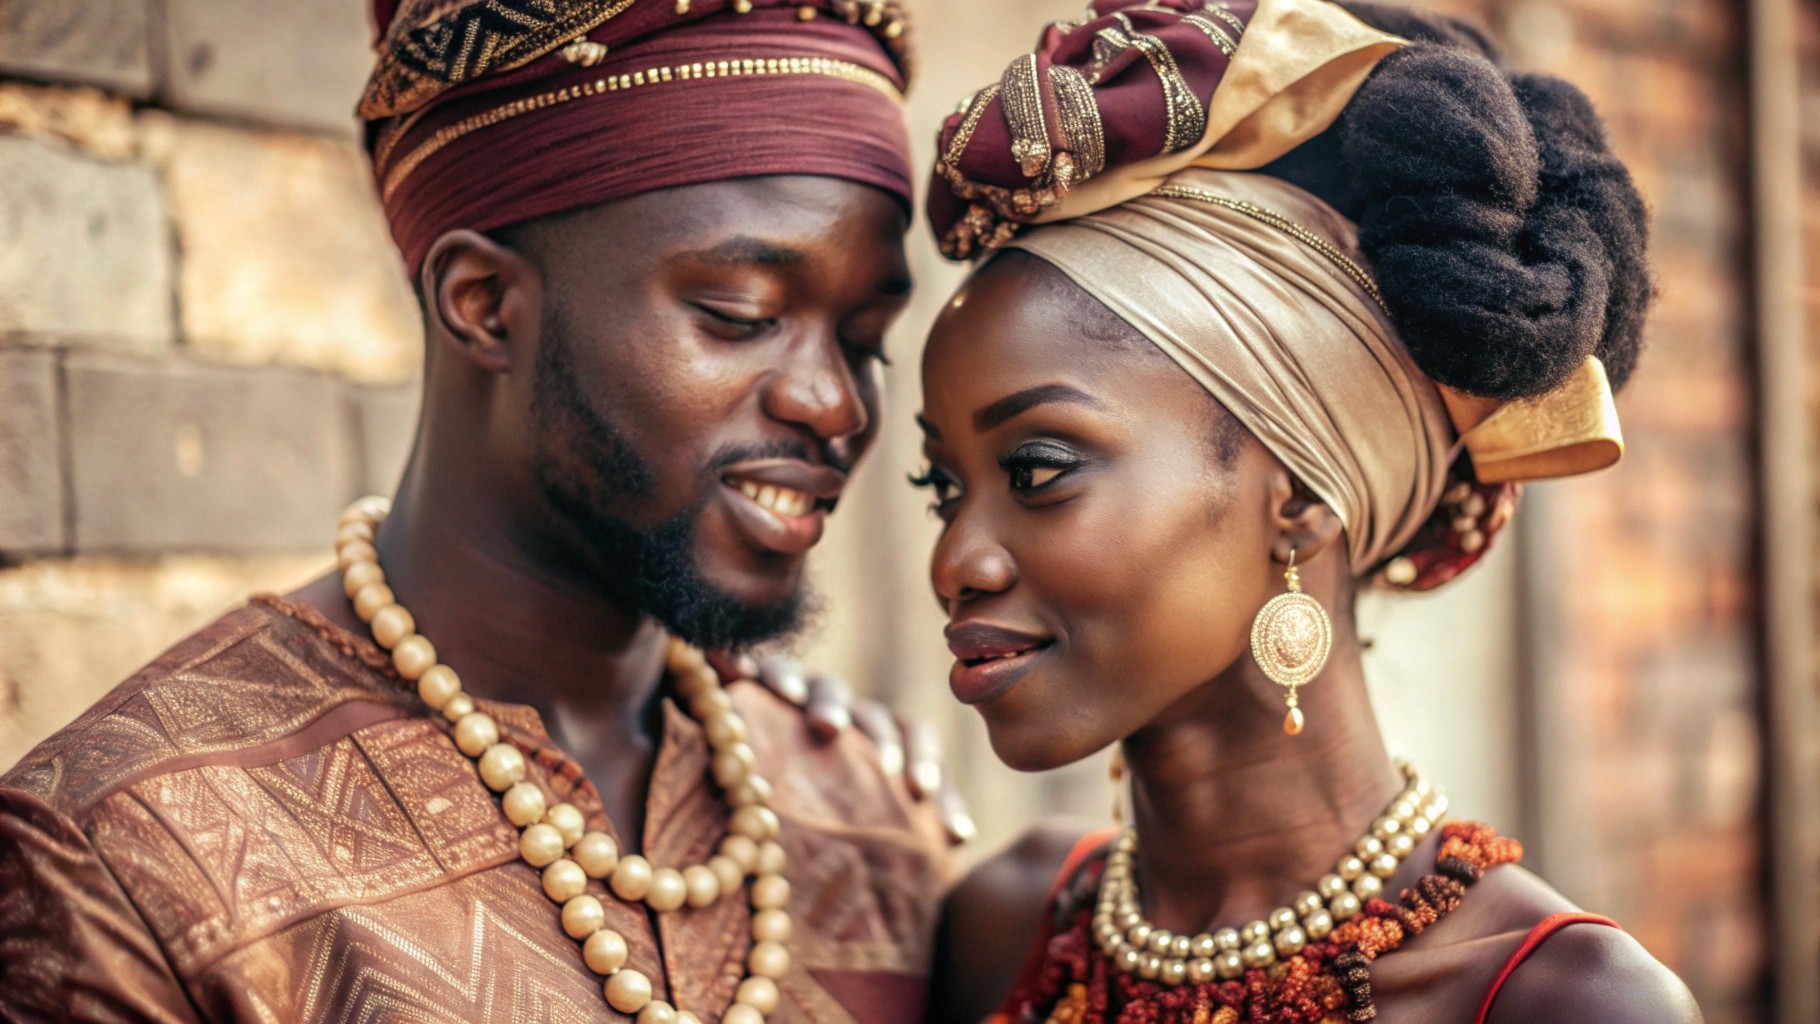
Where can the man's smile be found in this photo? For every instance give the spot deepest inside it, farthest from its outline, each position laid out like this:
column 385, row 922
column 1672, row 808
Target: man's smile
column 780, row 505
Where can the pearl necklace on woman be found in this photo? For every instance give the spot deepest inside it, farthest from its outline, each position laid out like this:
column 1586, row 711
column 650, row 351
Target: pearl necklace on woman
column 552, row 838
column 1135, row 946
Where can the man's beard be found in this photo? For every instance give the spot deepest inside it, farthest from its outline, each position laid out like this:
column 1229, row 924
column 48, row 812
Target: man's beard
column 584, row 465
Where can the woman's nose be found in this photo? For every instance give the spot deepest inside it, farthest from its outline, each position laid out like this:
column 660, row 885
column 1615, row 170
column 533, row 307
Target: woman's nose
column 967, row 566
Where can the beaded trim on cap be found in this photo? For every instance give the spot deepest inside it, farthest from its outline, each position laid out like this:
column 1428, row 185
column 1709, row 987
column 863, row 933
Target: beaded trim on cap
column 430, row 46
column 824, row 67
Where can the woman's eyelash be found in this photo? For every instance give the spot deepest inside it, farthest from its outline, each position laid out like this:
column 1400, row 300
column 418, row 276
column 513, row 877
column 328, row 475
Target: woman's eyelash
column 1024, row 464
column 944, row 487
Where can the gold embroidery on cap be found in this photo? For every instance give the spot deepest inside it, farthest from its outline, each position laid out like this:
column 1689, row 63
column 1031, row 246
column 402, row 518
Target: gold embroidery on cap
column 425, row 51
column 585, row 52
column 826, row 67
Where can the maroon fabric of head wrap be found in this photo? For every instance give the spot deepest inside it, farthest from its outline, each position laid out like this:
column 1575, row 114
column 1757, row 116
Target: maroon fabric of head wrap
column 1122, row 83
column 687, row 102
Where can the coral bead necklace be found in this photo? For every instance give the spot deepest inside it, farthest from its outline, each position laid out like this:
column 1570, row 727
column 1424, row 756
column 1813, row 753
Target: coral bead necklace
column 1101, row 962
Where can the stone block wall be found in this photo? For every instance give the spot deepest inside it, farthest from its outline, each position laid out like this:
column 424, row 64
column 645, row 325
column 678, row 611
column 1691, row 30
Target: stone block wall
column 207, row 346
column 206, row 342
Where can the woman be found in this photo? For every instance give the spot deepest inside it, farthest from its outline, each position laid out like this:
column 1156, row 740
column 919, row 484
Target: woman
column 1181, row 412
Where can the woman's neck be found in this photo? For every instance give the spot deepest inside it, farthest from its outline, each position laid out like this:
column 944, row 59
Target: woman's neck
column 1234, row 817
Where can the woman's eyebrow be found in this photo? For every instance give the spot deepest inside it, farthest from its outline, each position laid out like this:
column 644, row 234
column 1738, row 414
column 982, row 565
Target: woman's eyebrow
column 1010, row 406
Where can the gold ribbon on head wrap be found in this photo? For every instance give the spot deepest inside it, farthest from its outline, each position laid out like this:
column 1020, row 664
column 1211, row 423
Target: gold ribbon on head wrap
column 1289, row 338
column 1296, row 66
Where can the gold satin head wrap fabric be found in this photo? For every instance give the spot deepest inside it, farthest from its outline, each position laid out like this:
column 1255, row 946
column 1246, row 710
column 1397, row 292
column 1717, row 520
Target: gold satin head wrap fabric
column 1255, row 288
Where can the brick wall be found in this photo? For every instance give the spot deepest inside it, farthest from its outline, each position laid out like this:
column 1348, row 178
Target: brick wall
column 1645, row 740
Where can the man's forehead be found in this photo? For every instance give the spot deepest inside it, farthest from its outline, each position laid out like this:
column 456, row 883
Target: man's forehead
column 776, row 207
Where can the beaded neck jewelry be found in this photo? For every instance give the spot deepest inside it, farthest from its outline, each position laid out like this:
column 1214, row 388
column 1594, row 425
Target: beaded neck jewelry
column 1305, row 964
column 1137, row 947
column 553, row 839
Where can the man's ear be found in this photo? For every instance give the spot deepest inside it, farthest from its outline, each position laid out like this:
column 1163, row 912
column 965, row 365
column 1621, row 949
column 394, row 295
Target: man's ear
column 1303, row 523
column 483, row 299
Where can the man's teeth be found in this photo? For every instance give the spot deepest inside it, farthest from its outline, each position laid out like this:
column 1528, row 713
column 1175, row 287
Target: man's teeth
column 781, row 500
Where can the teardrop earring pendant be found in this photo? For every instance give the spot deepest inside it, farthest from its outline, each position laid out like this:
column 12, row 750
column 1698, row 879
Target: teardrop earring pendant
column 1290, row 640
column 1117, row 772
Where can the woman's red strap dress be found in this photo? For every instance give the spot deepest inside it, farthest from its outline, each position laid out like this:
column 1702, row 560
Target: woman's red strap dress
column 1531, row 942
column 1088, row 844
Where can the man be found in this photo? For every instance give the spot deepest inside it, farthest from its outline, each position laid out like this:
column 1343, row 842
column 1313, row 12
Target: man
column 657, row 244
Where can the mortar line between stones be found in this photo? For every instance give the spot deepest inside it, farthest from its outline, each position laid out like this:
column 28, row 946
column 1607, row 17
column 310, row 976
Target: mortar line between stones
column 66, row 456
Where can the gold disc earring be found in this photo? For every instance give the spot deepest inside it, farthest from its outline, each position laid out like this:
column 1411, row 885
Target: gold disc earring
column 1290, row 639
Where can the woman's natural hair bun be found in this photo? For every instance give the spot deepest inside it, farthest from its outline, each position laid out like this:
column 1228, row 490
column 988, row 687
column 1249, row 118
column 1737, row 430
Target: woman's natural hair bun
column 1507, row 240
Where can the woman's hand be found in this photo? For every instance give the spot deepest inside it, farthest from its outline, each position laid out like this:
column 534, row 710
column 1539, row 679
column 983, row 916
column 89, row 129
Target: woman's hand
column 911, row 749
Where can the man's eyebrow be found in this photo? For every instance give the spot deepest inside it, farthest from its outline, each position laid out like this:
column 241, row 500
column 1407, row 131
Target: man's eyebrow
column 745, row 250
column 928, row 427
column 1023, row 401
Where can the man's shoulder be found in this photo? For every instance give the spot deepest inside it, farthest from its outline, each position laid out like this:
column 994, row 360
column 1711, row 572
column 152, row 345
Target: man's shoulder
column 838, row 785
column 250, row 678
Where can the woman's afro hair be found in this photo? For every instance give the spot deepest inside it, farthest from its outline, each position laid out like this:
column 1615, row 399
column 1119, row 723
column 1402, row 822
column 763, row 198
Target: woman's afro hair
column 1507, row 240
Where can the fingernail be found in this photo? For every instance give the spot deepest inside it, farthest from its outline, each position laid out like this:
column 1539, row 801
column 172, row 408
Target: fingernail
column 891, row 759
column 794, row 688
column 747, row 666
column 926, row 776
column 828, row 723
column 961, row 828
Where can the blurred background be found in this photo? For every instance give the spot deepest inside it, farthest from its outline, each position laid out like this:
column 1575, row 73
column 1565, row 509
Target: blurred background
column 207, row 347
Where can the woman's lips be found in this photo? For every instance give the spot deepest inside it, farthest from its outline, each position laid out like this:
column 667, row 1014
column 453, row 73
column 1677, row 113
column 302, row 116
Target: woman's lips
column 990, row 659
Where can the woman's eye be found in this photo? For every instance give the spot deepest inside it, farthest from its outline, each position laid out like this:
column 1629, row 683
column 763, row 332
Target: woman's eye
column 1035, row 466
column 1029, row 478
column 944, row 487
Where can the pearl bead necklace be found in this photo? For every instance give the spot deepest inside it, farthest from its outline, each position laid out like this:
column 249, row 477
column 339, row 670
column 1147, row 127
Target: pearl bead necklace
column 553, row 839
column 1135, row 946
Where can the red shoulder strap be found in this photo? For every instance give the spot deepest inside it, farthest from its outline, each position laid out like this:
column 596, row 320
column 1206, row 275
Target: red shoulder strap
column 1083, row 848
column 1537, row 935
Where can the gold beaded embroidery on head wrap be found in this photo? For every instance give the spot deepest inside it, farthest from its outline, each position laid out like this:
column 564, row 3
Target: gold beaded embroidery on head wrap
column 1187, row 118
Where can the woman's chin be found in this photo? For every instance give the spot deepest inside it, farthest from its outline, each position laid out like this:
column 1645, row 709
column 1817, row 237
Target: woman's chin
column 1033, row 746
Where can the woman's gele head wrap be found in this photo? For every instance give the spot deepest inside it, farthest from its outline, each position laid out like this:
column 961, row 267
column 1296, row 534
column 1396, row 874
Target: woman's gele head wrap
column 485, row 113
column 1132, row 98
